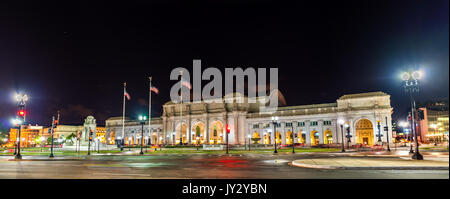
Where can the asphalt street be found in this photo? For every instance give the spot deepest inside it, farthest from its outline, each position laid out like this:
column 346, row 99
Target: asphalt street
column 192, row 166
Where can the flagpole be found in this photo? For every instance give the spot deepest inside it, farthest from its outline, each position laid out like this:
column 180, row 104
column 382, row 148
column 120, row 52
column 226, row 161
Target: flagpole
column 150, row 113
column 123, row 115
column 181, row 108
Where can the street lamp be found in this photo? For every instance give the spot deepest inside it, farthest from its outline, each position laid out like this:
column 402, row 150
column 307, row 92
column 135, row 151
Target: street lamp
column 348, row 135
column 18, row 123
column 293, row 136
column 249, row 142
column 142, row 119
column 173, row 138
column 379, row 131
column 341, row 123
column 275, row 122
column 411, row 85
column 197, row 142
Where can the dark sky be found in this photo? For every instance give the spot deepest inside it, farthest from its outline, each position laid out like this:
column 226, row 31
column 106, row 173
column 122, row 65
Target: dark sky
column 74, row 56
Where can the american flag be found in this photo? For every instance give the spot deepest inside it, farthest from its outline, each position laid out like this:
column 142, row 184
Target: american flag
column 186, row 84
column 154, row 89
column 127, row 95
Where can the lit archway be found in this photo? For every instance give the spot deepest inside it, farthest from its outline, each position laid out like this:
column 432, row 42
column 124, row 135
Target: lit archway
column 364, row 132
column 314, row 138
column 328, row 137
column 216, row 133
column 266, row 138
column 154, row 139
column 301, row 137
column 289, row 137
column 199, row 136
column 183, row 134
column 278, row 137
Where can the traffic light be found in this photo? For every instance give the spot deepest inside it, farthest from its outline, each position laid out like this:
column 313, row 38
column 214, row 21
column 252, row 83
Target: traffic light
column 228, row 128
column 420, row 114
column 21, row 113
column 90, row 135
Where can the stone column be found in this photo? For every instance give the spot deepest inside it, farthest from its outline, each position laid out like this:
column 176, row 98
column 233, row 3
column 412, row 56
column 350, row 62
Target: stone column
column 308, row 133
column 320, row 127
column 207, row 127
column 189, row 127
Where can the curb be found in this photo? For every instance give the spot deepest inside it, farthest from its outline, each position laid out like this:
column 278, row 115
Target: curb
column 311, row 166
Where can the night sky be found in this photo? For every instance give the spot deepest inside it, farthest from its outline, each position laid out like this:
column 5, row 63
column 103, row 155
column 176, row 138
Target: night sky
column 74, row 56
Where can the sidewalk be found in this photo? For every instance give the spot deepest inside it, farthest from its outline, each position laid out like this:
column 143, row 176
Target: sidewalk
column 371, row 164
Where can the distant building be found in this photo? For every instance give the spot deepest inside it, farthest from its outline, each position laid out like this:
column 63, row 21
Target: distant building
column 367, row 115
column 435, row 124
column 28, row 135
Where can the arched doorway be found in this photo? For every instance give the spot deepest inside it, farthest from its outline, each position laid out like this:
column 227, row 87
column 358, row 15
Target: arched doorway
column 301, row 137
column 154, row 139
column 278, row 137
column 266, row 138
column 183, row 134
column 199, row 136
column 314, row 138
column 364, row 132
column 256, row 139
column 328, row 137
column 216, row 133
column 289, row 137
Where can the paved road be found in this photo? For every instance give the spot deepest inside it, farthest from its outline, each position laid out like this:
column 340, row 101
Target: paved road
column 191, row 166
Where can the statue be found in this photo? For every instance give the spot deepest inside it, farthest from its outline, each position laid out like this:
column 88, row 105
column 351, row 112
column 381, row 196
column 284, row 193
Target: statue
column 89, row 124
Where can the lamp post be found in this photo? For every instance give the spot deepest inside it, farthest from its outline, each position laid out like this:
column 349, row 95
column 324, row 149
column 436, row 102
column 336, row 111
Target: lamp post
column 17, row 122
column 275, row 122
column 249, row 142
column 89, row 141
column 341, row 123
column 348, row 135
column 21, row 101
column 52, row 129
column 411, row 80
column 173, row 139
column 410, row 136
column 42, row 142
column 142, row 120
column 386, row 128
column 293, row 137
column 228, row 129
column 379, row 131
column 197, row 142
column 98, row 145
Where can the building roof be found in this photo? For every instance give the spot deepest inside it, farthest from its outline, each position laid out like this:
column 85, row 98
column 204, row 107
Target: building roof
column 363, row 95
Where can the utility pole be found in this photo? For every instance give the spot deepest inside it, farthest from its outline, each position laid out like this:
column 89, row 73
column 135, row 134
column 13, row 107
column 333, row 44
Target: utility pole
column 51, row 131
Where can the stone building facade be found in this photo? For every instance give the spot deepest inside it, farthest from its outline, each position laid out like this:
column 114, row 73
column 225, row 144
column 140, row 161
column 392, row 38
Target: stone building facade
column 365, row 114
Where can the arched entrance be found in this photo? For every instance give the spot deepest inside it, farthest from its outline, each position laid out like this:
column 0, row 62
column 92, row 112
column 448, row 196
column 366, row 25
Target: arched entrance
column 154, row 139
column 301, row 137
column 314, row 138
column 266, row 138
column 183, row 134
column 256, row 139
column 216, row 133
column 328, row 137
column 278, row 137
column 199, row 136
column 364, row 132
column 289, row 137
